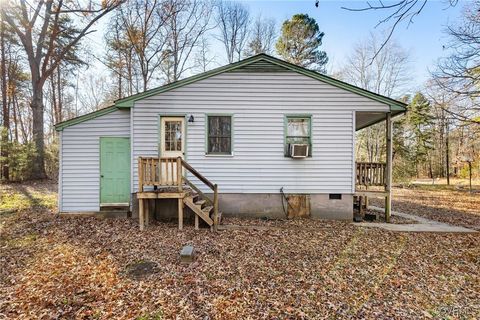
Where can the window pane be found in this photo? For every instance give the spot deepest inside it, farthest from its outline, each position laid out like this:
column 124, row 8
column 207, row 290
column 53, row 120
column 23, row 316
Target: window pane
column 219, row 134
column 173, row 135
column 219, row 145
column 298, row 127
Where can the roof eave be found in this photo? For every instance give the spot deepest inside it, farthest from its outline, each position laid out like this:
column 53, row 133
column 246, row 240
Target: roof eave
column 89, row 116
column 395, row 113
column 395, row 105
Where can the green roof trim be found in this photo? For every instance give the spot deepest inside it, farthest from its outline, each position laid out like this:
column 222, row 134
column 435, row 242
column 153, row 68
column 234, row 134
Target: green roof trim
column 89, row 116
column 128, row 102
column 395, row 105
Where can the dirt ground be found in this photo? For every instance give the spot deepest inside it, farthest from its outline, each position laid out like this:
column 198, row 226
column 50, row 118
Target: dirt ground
column 64, row 268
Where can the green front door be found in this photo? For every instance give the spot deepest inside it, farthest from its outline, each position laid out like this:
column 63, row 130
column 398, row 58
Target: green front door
column 114, row 170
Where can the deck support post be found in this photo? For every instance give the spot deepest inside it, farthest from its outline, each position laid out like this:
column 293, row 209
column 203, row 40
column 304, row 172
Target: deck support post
column 148, row 205
column 180, row 213
column 388, row 173
column 215, row 207
column 141, row 214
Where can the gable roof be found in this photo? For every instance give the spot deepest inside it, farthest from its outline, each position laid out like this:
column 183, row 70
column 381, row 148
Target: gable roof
column 395, row 105
column 258, row 63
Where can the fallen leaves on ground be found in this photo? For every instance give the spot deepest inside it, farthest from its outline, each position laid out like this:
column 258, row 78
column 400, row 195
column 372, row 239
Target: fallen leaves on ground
column 58, row 267
column 456, row 207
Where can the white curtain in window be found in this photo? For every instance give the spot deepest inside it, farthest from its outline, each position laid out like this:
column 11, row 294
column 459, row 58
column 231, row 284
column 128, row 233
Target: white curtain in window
column 297, row 128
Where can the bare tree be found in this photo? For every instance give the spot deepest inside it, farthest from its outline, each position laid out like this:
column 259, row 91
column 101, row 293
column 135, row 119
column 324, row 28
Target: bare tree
column 119, row 57
column 143, row 21
column 4, row 174
column 387, row 75
column 233, row 19
column 203, row 58
column 95, row 93
column 459, row 73
column 38, row 28
column 263, row 34
column 398, row 12
column 188, row 21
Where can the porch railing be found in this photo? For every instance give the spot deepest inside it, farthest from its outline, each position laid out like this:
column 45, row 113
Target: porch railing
column 154, row 172
column 371, row 174
column 168, row 172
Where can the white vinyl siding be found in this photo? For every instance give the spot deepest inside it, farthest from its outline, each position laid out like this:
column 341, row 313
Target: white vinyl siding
column 80, row 159
column 258, row 103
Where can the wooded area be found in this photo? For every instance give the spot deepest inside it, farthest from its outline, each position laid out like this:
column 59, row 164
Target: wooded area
column 48, row 56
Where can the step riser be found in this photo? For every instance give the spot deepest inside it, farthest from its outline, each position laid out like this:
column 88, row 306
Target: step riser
column 205, row 217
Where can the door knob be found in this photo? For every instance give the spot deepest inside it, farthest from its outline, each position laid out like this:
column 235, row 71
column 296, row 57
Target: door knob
column 101, row 176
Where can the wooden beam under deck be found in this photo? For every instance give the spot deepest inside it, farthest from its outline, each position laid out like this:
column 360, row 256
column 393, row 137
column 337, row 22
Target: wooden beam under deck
column 144, row 205
column 160, row 195
column 372, row 193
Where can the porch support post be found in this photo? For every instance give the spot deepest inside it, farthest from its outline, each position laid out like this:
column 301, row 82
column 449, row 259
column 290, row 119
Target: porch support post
column 147, row 206
column 388, row 173
column 141, row 214
column 180, row 214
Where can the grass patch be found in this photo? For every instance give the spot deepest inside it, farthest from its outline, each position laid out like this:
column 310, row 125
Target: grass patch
column 19, row 197
column 23, row 241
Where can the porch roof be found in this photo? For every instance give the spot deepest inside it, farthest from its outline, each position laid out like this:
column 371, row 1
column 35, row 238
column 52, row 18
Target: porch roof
column 364, row 119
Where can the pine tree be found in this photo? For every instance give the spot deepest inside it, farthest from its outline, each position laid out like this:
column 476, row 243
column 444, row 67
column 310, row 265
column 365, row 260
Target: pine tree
column 300, row 43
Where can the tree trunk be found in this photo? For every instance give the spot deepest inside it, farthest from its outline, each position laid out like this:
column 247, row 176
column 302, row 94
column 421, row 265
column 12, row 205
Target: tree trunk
column 38, row 165
column 21, row 122
column 59, row 113
column 119, row 75
column 6, row 112
column 447, row 153
column 430, row 170
column 54, row 97
column 15, row 117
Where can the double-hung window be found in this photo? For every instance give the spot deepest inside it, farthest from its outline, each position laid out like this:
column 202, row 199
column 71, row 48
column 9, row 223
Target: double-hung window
column 219, row 135
column 298, row 131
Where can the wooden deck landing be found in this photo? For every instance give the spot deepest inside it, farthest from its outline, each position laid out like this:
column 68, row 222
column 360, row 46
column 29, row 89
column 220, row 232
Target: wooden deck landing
column 144, row 208
column 166, row 177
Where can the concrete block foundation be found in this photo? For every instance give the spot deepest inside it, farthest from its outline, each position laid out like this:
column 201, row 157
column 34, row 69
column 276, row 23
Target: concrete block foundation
column 258, row 205
column 270, row 205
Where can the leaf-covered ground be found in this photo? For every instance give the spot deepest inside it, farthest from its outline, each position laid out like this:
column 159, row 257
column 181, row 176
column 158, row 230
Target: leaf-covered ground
column 55, row 267
column 439, row 202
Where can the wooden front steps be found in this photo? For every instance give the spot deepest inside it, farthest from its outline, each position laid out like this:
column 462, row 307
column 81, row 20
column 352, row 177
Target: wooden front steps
column 203, row 213
column 168, row 178
column 202, row 208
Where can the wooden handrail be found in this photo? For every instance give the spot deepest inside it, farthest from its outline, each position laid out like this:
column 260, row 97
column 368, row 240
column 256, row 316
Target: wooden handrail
column 212, row 186
column 197, row 174
column 197, row 190
column 155, row 172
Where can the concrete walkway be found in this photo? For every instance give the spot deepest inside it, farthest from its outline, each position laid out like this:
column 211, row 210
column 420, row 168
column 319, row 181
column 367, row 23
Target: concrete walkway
column 423, row 225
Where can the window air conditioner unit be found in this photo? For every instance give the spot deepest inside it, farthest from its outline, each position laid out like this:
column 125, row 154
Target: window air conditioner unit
column 298, row 150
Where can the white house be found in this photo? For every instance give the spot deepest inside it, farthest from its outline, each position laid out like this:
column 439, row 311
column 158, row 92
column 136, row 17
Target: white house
column 257, row 129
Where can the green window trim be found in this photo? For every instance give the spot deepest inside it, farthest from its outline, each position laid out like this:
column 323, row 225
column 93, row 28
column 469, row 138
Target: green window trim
column 228, row 154
column 285, row 131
